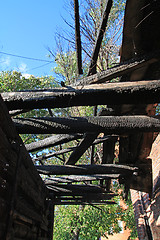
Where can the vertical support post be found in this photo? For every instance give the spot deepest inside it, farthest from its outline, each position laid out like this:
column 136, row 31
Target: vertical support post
column 93, row 147
column 51, row 219
column 108, row 156
column 78, row 37
column 93, row 63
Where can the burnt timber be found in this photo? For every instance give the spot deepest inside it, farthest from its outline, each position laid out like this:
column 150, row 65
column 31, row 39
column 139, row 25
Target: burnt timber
column 27, row 201
column 108, row 124
column 52, row 141
column 78, row 37
column 23, row 193
column 86, row 169
column 110, row 93
column 93, row 63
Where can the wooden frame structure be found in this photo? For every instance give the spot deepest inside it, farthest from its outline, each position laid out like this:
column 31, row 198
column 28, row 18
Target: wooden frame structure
column 28, row 200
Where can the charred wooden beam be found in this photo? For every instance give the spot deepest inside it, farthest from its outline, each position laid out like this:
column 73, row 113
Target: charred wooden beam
column 85, row 203
column 76, row 187
column 13, row 113
column 87, row 192
column 107, row 124
column 54, row 154
column 78, row 37
column 86, row 169
column 111, row 93
column 97, row 196
column 103, row 139
column 84, row 144
column 76, row 191
column 81, row 148
column 108, row 157
column 85, row 178
column 122, row 68
column 93, row 146
column 51, row 141
column 93, row 64
column 68, row 193
column 141, row 182
column 108, row 150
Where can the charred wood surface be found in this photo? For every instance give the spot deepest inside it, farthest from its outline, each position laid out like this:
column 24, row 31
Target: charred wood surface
column 76, row 188
column 71, row 194
column 84, row 144
column 22, row 191
column 123, row 68
column 107, row 124
column 111, row 93
column 85, row 203
column 78, row 37
column 85, row 178
column 97, row 196
column 103, row 25
column 54, row 154
column 140, row 37
column 81, row 148
column 86, row 169
column 51, row 141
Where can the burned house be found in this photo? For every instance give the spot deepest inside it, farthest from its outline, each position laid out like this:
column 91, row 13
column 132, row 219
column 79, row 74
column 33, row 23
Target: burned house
column 27, row 201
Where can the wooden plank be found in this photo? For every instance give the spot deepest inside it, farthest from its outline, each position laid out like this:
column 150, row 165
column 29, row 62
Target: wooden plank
column 96, row 94
column 86, row 203
column 74, row 188
column 14, row 154
column 52, row 141
column 74, row 178
column 89, row 196
column 85, row 169
column 71, row 192
column 29, row 189
column 107, row 124
column 25, row 231
column 23, row 207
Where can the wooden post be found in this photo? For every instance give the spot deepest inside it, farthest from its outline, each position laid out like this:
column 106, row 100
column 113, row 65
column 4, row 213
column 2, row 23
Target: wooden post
column 78, row 37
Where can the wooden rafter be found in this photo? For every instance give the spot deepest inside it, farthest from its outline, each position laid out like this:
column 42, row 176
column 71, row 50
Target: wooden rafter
column 81, row 178
column 107, row 124
column 86, row 169
column 111, row 93
column 56, row 153
column 52, row 141
column 81, row 148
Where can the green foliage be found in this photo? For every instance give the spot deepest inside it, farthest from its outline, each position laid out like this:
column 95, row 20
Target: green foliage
column 129, row 219
column 15, row 81
column 66, row 66
column 89, row 222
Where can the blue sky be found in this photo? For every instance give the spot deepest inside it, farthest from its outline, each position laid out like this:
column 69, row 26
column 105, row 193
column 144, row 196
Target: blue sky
column 27, row 28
